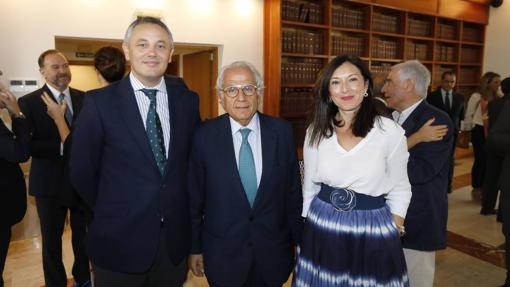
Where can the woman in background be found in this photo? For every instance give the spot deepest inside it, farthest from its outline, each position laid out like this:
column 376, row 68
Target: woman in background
column 110, row 65
column 356, row 190
column 476, row 121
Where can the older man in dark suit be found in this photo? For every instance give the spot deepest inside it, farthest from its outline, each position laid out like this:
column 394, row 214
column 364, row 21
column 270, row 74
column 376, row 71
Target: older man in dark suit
column 245, row 190
column 452, row 103
column 428, row 168
column 129, row 162
column 48, row 171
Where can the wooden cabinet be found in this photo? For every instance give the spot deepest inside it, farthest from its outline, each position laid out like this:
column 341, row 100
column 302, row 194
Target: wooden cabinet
column 301, row 36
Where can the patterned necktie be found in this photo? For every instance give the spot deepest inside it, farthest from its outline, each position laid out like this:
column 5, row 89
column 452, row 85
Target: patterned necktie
column 154, row 131
column 68, row 114
column 247, row 167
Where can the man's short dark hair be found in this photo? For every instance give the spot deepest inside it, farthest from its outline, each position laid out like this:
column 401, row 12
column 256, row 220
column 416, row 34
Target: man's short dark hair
column 446, row 73
column 505, row 86
column 40, row 61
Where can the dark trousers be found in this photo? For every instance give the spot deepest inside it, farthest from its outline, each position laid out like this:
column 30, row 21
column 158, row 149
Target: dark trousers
column 52, row 215
column 490, row 183
column 254, row 279
column 5, row 238
column 478, row 169
column 505, row 203
column 162, row 273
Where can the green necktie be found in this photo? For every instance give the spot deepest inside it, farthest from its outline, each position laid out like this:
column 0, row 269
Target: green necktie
column 247, row 167
column 154, row 131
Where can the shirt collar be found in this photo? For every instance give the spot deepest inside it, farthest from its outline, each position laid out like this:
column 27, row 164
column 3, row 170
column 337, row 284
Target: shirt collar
column 137, row 85
column 56, row 93
column 444, row 92
column 253, row 125
column 402, row 117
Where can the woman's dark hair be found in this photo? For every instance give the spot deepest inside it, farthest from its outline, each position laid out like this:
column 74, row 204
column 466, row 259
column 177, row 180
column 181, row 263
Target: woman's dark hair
column 111, row 63
column 323, row 121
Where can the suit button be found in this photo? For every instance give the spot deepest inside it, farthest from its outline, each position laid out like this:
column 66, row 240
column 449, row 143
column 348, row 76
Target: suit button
column 163, row 186
column 251, row 218
column 250, row 244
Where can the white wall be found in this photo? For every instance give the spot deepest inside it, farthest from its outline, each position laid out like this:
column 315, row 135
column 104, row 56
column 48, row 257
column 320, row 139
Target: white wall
column 497, row 41
column 28, row 27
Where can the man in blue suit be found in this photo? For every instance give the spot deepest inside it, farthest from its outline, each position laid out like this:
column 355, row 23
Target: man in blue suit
column 428, row 168
column 245, row 190
column 129, row 163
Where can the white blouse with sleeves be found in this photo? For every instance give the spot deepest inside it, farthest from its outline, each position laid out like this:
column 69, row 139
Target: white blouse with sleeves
column 377, row 165
column 473, row 114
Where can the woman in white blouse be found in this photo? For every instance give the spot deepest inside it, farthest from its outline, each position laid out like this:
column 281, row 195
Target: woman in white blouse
column 476, row 121
column 356, row 190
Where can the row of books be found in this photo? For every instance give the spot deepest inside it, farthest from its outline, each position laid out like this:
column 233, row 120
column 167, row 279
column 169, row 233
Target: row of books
column 304, row 72
column 472, row 34
column 445, row 53
column 385, row 49
column 305, row 12
column 418, row 27
column 348, row 45
column 469, row 55
column 302, row 42
column 468, row 75
column 296, row 100
column 385, row 23
column 299, row 126
column 418, row 51
column 466, row 90
column 446, row 31
column 382, row 68
column 347, row 17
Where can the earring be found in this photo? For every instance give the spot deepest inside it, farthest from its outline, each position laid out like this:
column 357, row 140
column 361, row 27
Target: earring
column 365, row 94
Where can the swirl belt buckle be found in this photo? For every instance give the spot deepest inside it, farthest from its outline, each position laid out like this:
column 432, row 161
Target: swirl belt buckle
column 343, row 199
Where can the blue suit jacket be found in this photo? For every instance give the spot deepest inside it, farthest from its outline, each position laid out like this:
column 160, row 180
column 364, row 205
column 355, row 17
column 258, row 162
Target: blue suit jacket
column 428, row 169
column 225, row 229
column 113, row 169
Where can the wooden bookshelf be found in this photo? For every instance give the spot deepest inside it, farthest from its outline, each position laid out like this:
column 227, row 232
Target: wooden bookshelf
column 301, row 36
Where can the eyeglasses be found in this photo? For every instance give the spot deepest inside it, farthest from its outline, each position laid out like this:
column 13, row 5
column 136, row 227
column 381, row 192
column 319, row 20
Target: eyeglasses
column 233, row 91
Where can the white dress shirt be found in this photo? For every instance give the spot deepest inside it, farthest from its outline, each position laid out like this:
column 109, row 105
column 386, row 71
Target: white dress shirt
column 161, row 106
column 401, row 117
column 253, row 139
column 445, row 94
column 376, row 166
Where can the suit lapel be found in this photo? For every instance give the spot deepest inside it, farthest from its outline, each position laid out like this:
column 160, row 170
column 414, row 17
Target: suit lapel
column 410, row 124
column 131, row 115
column 268, row 140
column 172, row 111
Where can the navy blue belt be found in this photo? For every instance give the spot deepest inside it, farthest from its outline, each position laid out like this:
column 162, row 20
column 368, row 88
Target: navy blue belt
column 344, row 199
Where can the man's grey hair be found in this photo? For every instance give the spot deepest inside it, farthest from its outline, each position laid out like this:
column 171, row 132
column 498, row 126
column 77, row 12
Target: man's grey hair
column 241, row 65
column 147, row 20
column 417, row 72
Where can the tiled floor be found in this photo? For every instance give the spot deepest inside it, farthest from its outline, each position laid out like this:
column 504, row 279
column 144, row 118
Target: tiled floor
column 471, row 259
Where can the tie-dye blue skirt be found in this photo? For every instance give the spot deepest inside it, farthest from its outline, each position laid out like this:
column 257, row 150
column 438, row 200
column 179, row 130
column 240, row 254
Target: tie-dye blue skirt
column 344, row 247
